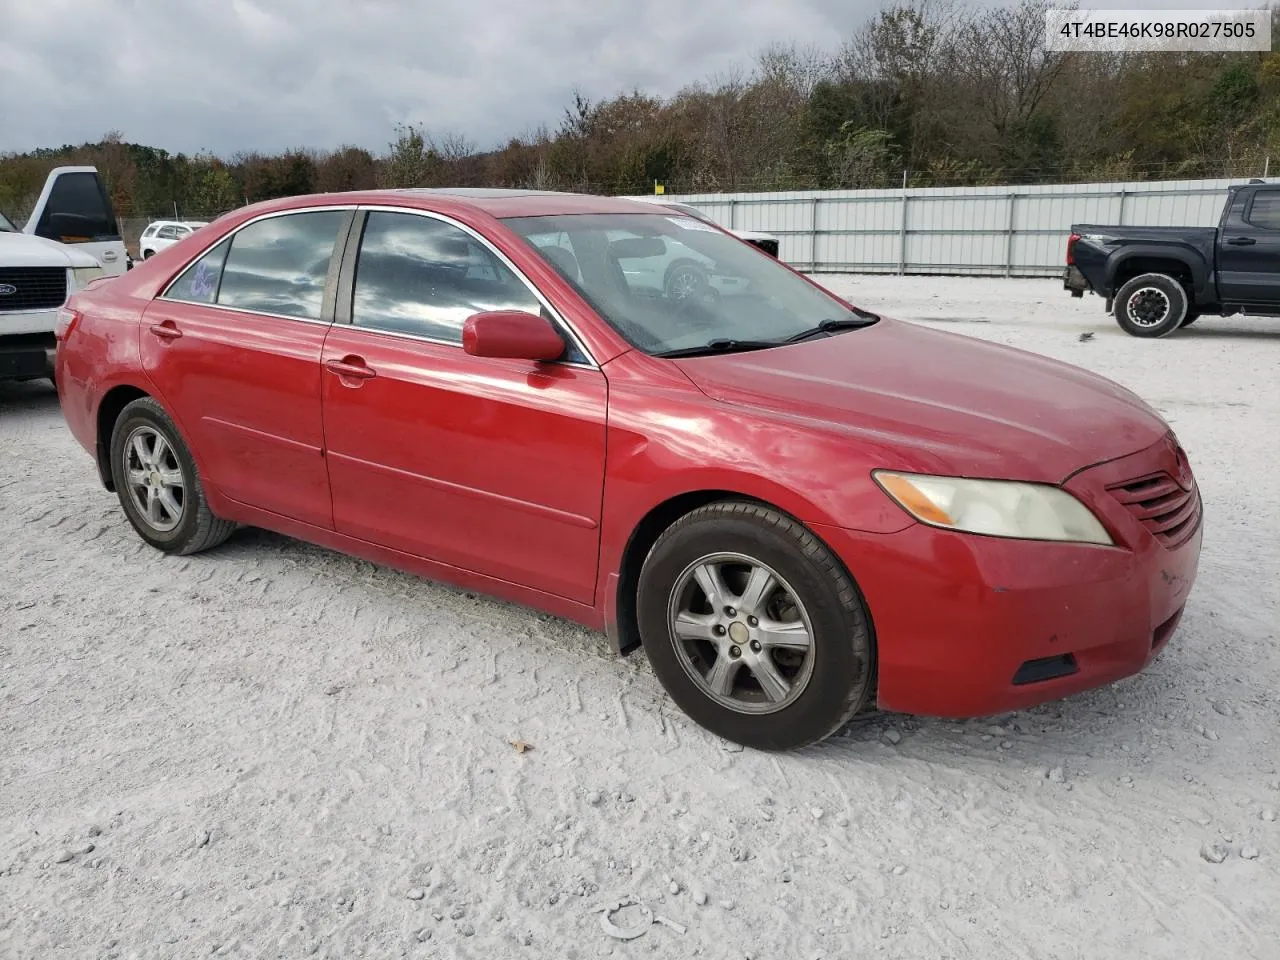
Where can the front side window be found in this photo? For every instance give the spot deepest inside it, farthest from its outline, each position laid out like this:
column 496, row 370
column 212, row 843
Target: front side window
column 1265, row 211
column 674, row 284
column 279, row 265
column 168, row 233
column 421, row 276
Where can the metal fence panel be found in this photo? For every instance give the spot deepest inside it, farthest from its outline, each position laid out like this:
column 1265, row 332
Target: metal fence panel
column 1000, row 231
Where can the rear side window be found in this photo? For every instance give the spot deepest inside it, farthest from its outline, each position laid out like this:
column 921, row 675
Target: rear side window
column 279, row 265
column 1265, row 210
column 78, row 210
column 199, row 282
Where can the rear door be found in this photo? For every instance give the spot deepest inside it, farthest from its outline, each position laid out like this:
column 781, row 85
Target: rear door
column 1249, row 250
column 75, row 208
column 233, row 347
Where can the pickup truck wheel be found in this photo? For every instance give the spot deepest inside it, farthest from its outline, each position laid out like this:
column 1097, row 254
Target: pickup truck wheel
column 1151, row 305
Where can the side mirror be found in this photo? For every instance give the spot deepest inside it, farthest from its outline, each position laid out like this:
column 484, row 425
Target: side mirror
column 511, row 334
column 638, row 248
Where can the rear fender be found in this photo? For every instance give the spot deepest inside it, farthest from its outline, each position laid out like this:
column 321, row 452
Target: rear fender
column 1158, row 259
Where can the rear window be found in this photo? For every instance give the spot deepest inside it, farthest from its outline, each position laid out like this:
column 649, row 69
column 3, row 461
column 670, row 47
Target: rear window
column 1265, row 211
column 279, row 265
column 78, row 210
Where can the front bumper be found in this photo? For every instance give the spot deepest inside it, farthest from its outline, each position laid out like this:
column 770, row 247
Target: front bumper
column 27, row 355
column 971, row 626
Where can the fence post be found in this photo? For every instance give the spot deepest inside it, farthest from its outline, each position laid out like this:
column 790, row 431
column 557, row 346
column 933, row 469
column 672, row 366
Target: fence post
column 733, row 220
column 902, row 233
column 813, row 236
column 1008, row 237
column 1120, row 219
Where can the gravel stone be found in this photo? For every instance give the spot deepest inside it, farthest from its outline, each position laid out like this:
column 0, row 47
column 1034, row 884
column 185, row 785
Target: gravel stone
column 1213, row 852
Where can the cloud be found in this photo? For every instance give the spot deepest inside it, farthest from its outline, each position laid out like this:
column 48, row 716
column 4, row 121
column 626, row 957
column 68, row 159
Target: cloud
column 266, row 75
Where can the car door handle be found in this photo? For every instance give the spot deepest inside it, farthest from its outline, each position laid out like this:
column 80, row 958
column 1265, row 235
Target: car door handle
column 353, row 367
column 1242, row 241
column 165, row 330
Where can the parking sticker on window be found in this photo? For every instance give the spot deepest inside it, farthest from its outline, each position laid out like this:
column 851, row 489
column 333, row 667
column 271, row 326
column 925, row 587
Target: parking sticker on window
column 202, row 283
column 688, row 223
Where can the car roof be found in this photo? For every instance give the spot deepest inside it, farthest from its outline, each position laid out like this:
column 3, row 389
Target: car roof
column 494, row 201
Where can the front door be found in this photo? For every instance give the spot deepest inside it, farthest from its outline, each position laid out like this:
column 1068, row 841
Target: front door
column 1249, row 251
column 493, row 466
column 233, row 347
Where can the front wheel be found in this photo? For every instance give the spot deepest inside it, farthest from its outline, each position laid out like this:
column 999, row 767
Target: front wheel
column 156, row 480
column 754, row 628
column 685, row 280
column 1151, row 305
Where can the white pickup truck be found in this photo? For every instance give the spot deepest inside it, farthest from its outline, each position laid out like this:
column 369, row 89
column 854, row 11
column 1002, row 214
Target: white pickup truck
column 71, row 238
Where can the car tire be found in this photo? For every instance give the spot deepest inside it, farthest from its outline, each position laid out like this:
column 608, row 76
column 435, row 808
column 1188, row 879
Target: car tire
column 1189, row 319
column 772, row 670
column 167, row 508
column 147, row 254
column 1151, row 305
column 684, row 279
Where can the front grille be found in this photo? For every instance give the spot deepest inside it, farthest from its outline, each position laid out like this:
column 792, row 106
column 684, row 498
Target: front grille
column 32, row 288
column 1168, row 510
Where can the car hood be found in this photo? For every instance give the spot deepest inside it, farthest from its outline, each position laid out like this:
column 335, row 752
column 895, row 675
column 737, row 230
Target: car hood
column 24, row 250
column 932, row 401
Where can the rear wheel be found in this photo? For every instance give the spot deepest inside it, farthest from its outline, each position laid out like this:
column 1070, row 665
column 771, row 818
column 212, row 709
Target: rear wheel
column 156, row 480
column 146, row 254
column 1151, row 305
column 754, row 628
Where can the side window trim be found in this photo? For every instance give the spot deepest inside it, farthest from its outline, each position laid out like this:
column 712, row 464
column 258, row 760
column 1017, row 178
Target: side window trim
column 331, row 280
column 346, row 287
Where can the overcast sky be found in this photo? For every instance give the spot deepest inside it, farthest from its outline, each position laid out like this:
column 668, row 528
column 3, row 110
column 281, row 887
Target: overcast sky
column 231, row 75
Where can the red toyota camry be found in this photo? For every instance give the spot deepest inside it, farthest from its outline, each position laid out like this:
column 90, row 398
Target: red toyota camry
column 628, row 417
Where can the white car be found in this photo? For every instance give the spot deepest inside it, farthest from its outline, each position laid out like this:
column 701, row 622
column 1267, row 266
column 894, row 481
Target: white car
column 765, row 241
column 165, row 233
column 36, row 277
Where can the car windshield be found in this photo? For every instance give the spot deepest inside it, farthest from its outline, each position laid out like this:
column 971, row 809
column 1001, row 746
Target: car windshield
column 6, row 225
column 672, row 285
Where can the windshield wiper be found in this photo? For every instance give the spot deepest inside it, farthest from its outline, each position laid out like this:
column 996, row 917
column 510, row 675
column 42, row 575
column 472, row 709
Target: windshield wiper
column 863, row 319
column 721, row 345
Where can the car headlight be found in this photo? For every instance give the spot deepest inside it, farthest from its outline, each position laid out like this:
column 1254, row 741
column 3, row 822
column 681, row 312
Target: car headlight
column 81, row 276
column 996, row 508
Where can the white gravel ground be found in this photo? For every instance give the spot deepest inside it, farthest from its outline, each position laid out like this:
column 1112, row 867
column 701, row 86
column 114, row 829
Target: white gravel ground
column 272, row 750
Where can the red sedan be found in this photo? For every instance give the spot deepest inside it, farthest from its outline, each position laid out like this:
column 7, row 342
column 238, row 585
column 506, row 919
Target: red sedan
column 799, row 509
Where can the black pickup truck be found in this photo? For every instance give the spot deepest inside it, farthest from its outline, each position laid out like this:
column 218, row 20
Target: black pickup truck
column 1157, row 279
